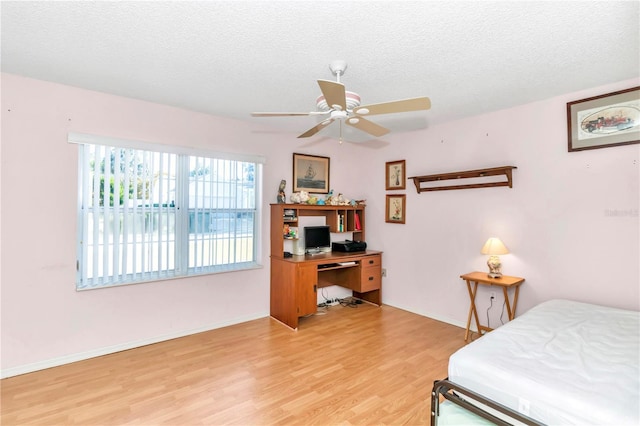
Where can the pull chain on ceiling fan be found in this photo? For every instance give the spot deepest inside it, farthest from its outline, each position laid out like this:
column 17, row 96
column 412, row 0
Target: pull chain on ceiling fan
column 344, row 106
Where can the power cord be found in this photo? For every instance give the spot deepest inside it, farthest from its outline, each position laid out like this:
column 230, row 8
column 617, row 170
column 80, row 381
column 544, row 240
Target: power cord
column 350, row 302
column 490, row 306
column 323, row 292
column 504, row 304
column 327, row 302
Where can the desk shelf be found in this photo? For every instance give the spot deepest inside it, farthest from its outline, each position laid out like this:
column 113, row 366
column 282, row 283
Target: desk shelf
column 353, row 221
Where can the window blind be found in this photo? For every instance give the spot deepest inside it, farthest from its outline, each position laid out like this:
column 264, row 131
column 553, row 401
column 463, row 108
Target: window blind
column 150, row 215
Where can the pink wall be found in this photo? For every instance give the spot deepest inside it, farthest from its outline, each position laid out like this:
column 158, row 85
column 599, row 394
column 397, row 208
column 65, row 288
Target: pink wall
column 45, row 321
column 553, row 220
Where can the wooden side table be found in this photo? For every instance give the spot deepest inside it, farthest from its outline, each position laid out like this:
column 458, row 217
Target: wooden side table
column 505, row 281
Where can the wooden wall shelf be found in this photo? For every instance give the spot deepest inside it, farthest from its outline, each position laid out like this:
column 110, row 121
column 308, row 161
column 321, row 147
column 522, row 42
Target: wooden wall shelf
column 469, row 174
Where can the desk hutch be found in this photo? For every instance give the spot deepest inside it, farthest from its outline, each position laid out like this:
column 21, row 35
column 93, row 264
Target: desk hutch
column 295, row 280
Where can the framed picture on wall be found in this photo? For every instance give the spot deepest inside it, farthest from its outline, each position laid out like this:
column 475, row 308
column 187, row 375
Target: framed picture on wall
column 310, row 173
column 395, row 175
column 395, row 208
column 606, row 120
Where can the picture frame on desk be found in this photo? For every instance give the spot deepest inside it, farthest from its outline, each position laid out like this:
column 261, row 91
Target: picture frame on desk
column 603, row 121
column 311, row 173
column 395, row 175
column 395, row 211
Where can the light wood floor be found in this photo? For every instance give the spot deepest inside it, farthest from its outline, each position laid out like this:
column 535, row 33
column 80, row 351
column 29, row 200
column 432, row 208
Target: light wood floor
column 364, row 366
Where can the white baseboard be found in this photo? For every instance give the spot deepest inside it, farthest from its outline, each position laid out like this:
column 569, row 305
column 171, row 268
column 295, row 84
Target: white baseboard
column 430, row 315
column 67, row 359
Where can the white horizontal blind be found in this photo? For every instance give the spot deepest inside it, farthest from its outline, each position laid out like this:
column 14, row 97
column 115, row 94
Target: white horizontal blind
column 133, row 229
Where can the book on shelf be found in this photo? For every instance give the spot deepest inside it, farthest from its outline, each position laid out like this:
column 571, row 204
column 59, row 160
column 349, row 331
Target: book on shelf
column 356, row 218
column 289, row 214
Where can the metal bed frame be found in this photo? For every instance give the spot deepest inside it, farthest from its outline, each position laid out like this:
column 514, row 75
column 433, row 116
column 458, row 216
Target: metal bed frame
column 452, row 392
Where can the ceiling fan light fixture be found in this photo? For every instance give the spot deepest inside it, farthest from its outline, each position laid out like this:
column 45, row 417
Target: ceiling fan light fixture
column 352, row 98
column 339, row 115
column 345, row 106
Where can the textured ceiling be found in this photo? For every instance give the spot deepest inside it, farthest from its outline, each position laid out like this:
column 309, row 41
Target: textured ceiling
column 230, row 58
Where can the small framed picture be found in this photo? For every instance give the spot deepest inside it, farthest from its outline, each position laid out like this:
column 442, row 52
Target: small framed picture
column 602, row 121
column 395, row 175
column 310, row 173
column 395, row 208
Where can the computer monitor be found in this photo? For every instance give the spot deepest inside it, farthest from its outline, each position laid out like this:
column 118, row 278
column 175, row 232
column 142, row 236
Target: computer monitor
column 316, row 238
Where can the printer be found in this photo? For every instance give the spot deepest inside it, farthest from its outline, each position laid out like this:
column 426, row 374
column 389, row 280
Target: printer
column 348, row 246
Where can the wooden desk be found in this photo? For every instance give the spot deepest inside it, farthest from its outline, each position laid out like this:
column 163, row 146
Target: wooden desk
column 295, row 281
column 506, row 282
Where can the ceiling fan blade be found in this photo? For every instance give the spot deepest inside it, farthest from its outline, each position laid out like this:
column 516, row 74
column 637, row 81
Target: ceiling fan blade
column 287, row 114
column 315, row 129
column 367, row 126
column 334, row 93
column 277, row 114
column 405, row 105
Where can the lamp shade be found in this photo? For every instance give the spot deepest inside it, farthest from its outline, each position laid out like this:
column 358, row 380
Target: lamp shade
column 493, row 247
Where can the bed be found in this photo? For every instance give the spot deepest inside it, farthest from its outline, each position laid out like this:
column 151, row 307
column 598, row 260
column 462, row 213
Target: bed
column 562, row 362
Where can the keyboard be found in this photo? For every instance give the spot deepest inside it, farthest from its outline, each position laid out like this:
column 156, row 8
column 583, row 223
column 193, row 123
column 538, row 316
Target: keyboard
column 327, row 265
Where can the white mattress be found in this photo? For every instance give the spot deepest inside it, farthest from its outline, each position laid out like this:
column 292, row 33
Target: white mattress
column 562, row 362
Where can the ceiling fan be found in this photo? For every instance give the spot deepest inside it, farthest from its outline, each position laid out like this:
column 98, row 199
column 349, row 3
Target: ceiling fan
column 344, row 106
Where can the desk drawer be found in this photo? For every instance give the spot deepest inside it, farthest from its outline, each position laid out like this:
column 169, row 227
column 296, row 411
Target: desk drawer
column 370, row 279
column 369, row 261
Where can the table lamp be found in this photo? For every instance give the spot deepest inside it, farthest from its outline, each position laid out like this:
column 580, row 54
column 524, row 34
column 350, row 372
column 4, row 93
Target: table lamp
column 493, row 247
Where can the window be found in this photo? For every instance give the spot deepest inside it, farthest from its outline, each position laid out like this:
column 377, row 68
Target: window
column 148, row 215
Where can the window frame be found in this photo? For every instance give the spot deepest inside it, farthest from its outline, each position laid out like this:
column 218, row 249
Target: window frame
column 181, row 267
